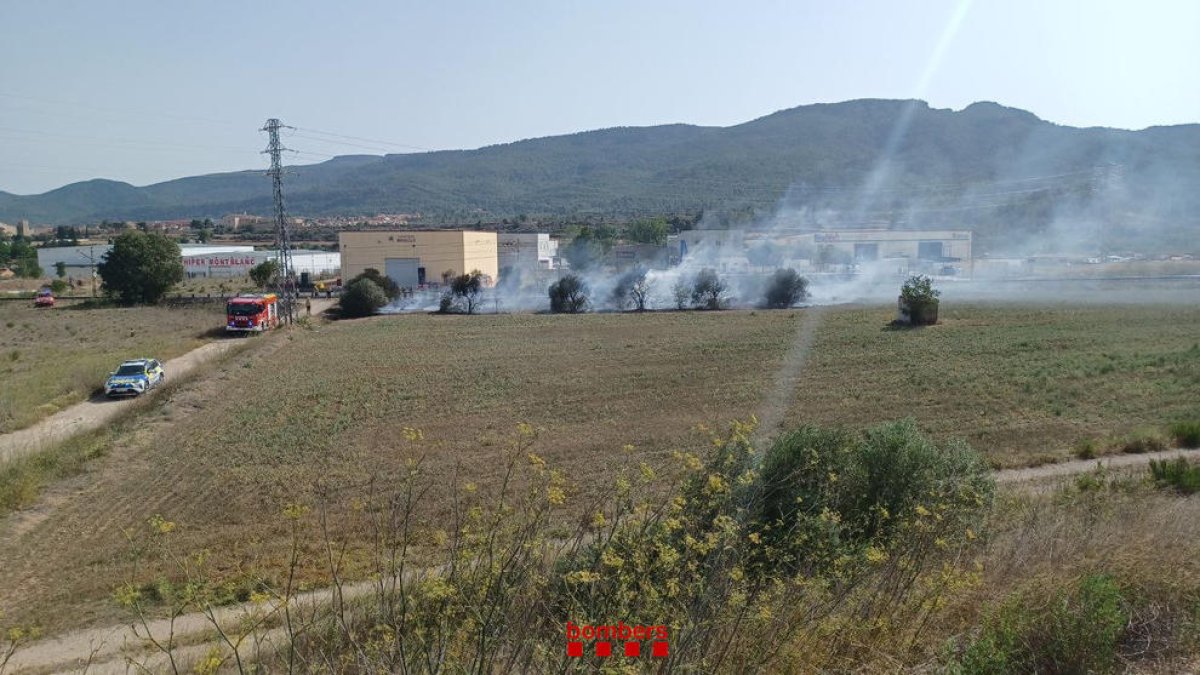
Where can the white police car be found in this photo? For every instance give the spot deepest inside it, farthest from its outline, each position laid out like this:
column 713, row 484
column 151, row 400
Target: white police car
column 134, row 377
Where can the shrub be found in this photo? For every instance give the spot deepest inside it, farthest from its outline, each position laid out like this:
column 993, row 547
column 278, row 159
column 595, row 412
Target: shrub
column 58, row 286
column 785, row 289
column 1142, row 442
column 1086, row 449
column 568, row 295
column 362, row 298
column 828, row 494
column 1178, row 474
column 919, row 299
column 1072, row 631
column 1186, row 434
column 708, row 290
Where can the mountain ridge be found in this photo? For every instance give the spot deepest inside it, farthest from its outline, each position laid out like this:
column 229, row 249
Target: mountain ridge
column 872, row 158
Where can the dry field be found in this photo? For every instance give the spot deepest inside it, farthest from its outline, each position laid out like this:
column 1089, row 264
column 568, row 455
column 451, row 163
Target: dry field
column 329, row 407
column 53, row 358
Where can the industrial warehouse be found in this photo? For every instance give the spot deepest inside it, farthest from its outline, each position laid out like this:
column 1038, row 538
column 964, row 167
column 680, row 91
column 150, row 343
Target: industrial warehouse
column 415, row 258
column 199, row 261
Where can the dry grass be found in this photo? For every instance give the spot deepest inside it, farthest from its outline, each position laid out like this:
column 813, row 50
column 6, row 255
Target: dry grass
column 331, row 407
column 53, row 358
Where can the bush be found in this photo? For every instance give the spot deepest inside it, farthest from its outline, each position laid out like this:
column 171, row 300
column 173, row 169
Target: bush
column 1142, row 442
column 59, row 286
column 828, row 494
column 919, row 300
column 785, row 289
column 1186, row 434
column 568, row 295
column 1178, row 474
column 362, row 298
column 1075, row 631
column 1086, row 449
column 708, row 291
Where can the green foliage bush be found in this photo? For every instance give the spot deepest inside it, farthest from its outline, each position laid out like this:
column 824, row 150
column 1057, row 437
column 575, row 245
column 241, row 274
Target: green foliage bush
column 1186, row 434
column 362, row 298
column 1077, row 630
column 1142, row 442
column 1178, row 474
column 828, row 494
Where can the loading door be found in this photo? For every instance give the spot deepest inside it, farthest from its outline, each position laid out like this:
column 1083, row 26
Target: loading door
column 866, row 252
column 403, row 271
column 929, row 250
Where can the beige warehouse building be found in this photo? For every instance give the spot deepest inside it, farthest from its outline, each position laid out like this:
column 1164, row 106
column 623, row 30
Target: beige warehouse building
column 414, row 258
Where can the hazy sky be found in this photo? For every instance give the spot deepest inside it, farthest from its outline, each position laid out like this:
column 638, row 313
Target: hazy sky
column 144, row 91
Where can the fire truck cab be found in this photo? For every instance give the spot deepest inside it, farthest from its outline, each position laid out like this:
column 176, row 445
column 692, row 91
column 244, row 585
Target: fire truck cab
column 252, row 313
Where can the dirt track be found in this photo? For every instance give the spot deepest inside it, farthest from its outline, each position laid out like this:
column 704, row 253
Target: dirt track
column 98, row 410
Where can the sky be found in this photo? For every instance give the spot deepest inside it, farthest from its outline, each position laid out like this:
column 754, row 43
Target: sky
column 146, row 91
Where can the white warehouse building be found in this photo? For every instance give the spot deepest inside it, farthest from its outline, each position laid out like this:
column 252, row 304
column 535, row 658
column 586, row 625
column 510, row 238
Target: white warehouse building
column 238, row 264
column 525, row 250
column 198, row 260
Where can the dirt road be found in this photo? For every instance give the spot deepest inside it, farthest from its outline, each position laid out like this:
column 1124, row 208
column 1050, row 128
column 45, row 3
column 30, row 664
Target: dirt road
column 112, row 649
column 98, row 411
column 1061, row 469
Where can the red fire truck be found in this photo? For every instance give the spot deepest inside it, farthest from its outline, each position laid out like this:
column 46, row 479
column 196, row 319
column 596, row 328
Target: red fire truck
column 252, row 313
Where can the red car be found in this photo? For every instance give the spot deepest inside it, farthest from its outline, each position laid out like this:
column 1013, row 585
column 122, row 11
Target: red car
column 45, row 298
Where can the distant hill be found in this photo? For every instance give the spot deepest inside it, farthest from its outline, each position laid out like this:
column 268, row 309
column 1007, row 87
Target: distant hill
column 997, row 169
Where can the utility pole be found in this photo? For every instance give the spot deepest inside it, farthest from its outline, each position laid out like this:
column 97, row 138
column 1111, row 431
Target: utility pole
column 282, row 239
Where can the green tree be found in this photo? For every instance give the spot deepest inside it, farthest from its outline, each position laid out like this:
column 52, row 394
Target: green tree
column 651, row 231
column 265, row 272
column 568, row 295
column 362, row 298
column 60, row 269
column 785, row 289
column 920, row 300
column 205, row 236
column 141, row 267
column 708, row 290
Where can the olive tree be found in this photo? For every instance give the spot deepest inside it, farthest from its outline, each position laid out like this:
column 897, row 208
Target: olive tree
column 785, row 289
column 568, row 295
column 632, row 290
column 708, row 290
